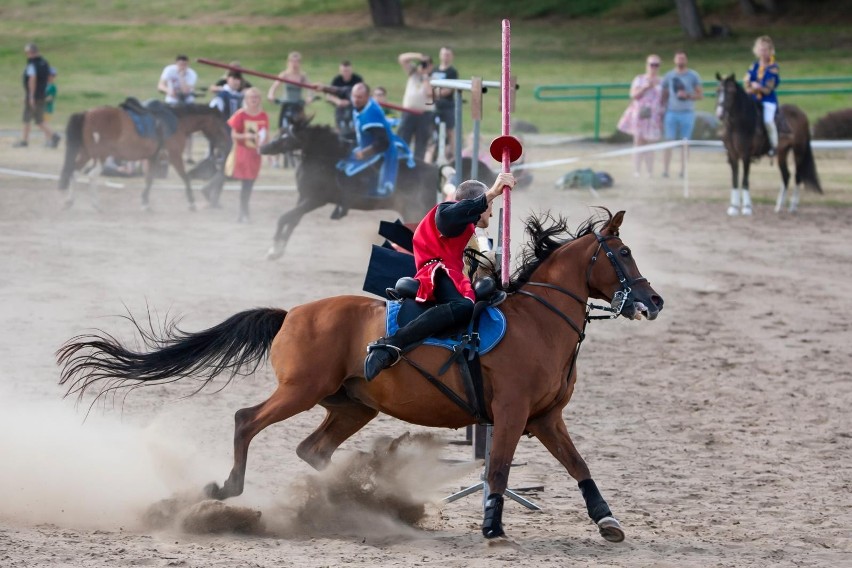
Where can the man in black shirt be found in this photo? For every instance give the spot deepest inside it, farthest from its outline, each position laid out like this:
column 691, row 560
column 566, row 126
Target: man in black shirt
column 445, row 105
column 343, row 106
column 35, row 78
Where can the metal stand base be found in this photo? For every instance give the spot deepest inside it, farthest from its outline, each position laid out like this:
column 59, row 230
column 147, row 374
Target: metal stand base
column 482, row 485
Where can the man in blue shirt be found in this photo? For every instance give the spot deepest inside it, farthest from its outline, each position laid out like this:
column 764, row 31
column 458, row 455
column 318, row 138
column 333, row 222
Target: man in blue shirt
column 681, row 88
column 375, row 142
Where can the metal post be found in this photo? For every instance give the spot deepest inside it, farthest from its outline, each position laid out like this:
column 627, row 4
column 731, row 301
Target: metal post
column 597, row 114
column 506, row 92
column 457, row 97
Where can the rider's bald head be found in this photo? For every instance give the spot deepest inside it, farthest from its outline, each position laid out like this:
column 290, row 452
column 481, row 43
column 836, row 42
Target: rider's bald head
column 361, row 88
column 360, row 95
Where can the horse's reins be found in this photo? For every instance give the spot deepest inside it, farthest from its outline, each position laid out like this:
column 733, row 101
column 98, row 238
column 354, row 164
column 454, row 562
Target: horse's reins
column 619, row 299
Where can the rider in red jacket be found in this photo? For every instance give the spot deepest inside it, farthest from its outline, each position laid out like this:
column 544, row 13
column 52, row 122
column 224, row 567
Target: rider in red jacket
column 439, row 243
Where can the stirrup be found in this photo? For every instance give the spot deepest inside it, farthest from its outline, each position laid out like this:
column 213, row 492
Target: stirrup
column 392, row 349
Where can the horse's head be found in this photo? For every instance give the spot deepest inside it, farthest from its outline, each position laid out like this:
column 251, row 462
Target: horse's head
column 285, row 141
column 726, row 94
column 613, row 276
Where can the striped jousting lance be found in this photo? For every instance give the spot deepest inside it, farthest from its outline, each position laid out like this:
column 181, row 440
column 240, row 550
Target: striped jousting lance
column 506, row 149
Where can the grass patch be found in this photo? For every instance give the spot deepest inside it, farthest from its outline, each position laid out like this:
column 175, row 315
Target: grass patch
column 105, row 51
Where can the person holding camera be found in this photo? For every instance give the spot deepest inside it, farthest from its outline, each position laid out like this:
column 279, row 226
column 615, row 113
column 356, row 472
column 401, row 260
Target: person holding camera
column 643, row 118
column 178, row 81
column 418, row 95
column 681, row 88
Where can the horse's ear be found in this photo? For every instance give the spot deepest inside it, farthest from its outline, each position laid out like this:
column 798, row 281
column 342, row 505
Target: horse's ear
column 614, row 223
column 718, row 77
column 730, row 77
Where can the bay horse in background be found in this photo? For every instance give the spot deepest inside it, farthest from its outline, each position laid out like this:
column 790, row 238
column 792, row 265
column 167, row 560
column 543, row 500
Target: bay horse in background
column 318, row 181
column 745, row 139
column 96, row 134
column 317, row 352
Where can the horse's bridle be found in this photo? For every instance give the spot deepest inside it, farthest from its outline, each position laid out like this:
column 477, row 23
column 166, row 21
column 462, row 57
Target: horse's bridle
column 619, row 299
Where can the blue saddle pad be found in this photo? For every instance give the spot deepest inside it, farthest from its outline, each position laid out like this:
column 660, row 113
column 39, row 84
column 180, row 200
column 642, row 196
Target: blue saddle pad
column 492, row 328
column 144, row 123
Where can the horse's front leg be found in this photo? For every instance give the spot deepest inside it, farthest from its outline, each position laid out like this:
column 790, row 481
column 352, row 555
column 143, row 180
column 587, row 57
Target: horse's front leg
column 746, row 204
column 507, row 431
column 176, row 160
column 286, row 224
column 734, row 207
column 550, row 429
column 149, row 180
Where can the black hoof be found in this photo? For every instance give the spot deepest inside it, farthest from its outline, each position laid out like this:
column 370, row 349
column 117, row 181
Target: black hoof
column 213, row 491
column 492, row 523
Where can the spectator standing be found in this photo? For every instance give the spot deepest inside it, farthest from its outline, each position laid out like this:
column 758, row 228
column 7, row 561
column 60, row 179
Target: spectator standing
column 643, row 118
column 178, row 81
column 445, row 105
column 35, row 79
column 249, row 130
column 344, row 82
column 681, row 88
column 229, row 98
column 223, row 80
column 381, row 96
column 418, row 91
column 292, row 103
column 760, row 82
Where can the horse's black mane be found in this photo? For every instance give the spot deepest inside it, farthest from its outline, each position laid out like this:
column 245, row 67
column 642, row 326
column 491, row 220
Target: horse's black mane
column 548, row 234
column 320, row 139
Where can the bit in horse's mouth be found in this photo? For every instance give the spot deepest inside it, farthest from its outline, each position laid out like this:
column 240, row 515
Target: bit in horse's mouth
column 640, row 311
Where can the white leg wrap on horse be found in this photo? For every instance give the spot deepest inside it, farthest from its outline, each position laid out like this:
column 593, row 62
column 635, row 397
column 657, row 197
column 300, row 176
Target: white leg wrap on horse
column 794, row 199
column 779, row 203
column 746, row 202
column 734, row 208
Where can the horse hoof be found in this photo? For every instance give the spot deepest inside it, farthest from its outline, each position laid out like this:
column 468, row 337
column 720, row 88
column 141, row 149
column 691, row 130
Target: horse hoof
column 146, row 207
column 610, row 529
column 733, row 211
column 747, row 211
column 275, row 252
column 213, row 491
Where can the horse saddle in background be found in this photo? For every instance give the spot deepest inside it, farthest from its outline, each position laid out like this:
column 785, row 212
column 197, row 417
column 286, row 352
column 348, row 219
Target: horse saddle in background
column 390, row 262
column 153, row 120
column 491, row 326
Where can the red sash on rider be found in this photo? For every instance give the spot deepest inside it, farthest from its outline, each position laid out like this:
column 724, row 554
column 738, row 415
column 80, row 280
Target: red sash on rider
column 433, row 250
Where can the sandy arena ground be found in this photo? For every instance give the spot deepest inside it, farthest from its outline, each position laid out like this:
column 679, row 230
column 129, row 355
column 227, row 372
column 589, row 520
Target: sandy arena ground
column 720, row 434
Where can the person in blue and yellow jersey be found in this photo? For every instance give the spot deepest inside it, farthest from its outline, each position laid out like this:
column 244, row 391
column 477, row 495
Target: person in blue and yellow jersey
column 761, row 81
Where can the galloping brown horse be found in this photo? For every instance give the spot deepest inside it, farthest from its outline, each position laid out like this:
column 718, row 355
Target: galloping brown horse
column 96, row 134
column 318, row 349
column 745, row 140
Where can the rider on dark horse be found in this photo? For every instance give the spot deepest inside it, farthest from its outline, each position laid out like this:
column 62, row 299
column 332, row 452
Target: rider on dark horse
column 376, row 142
column 439, row 243
column 760, row 82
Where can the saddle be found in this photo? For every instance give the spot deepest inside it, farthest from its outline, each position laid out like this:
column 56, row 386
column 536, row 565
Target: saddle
column 484, row 332
column 154, row 119
column 488, row 322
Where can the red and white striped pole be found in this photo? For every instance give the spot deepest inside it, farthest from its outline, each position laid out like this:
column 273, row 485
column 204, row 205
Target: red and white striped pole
column 506, row 149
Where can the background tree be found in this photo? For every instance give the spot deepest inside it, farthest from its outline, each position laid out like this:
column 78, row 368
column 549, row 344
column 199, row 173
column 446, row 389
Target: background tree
column 690, row 18
column 386, row 13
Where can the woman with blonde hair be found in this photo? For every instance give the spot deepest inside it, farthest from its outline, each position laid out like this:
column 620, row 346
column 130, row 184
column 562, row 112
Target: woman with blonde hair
column 760, row 82
column 249, row 131
column 643, row 118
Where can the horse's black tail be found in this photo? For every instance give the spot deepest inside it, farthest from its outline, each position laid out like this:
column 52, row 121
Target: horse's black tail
column 806, row 167
column 237, row 345
column 73, row 142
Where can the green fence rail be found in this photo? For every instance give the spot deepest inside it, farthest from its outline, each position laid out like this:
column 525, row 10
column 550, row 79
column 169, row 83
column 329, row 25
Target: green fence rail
column 604, row 92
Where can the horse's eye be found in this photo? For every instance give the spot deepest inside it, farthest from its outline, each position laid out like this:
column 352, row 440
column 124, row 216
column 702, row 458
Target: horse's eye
column 625, row 251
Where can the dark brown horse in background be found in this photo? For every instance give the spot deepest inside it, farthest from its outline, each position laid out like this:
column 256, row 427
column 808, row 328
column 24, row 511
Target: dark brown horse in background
column 317, row 351
column 745, row 139
column 96, row 134
column 318, row 181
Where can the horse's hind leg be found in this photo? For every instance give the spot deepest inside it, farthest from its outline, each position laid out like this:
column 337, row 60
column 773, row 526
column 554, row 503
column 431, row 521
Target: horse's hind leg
column 785, row 178
column 149, row 180
column 288, row 400
column 343, row 419
column 176, row 160
column 552, row 432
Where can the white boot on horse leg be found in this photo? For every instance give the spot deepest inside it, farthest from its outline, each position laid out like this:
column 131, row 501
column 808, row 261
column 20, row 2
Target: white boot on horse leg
column 782, row 193
column 794, row 199
column 746, row 200
column 69, row 195
column 734, row 207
